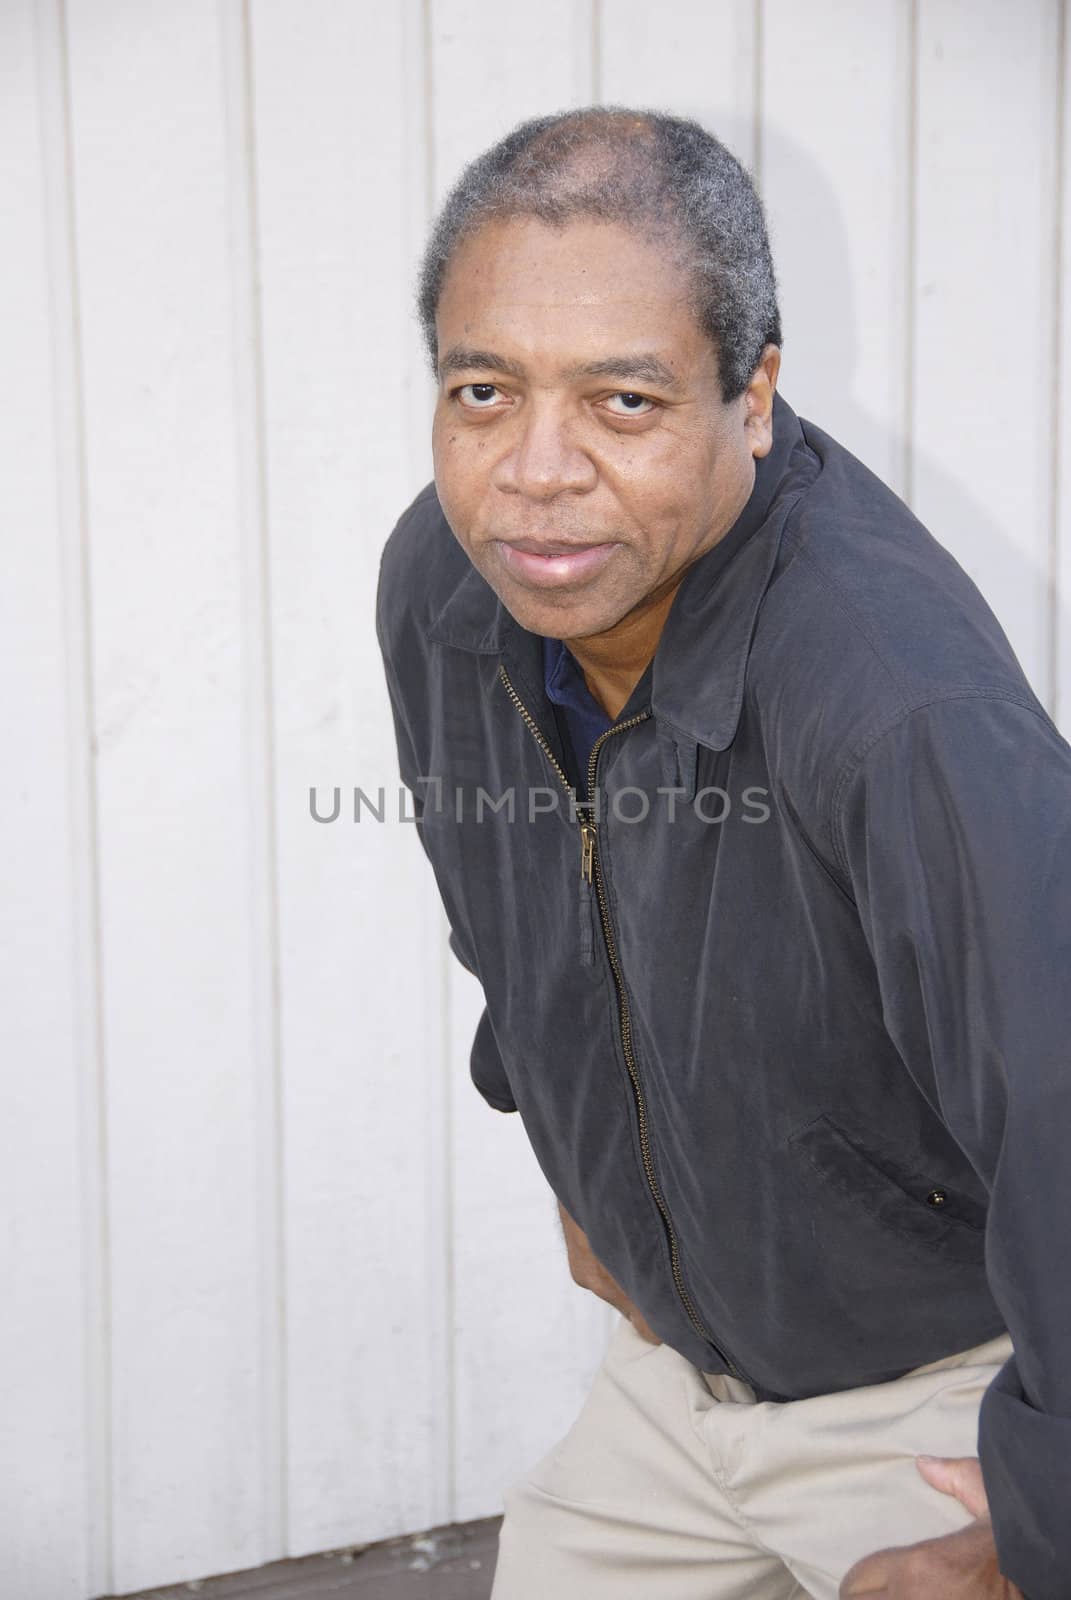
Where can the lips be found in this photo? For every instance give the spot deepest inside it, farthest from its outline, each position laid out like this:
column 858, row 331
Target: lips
column 552, row 563
column 551, row 547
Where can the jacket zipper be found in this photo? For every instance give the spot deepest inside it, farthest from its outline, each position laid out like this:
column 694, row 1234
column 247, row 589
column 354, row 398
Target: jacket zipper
column 591, row 871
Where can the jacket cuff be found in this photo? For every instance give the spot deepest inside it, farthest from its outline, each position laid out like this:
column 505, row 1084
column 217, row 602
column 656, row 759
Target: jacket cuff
column 487, row 1070
column 495, row 1103
column 1026, row 1467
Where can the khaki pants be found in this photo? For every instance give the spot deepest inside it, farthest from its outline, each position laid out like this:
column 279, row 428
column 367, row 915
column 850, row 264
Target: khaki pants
column 677, row 1485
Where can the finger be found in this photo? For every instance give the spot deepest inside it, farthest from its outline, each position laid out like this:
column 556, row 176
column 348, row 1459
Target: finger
column 960, row 1476
column 868, row 1577
column 853, row 1590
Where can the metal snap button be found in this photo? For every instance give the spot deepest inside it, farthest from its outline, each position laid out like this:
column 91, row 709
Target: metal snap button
column 936, row 1197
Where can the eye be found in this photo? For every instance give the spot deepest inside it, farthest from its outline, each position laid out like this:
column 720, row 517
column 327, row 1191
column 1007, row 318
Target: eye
column 482, row 395
column 632, row 404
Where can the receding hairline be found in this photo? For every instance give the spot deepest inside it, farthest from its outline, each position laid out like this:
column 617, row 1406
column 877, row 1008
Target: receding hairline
column 654, row 218
column 646, row 169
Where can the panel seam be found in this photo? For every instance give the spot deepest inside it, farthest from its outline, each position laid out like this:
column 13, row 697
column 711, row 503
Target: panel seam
column 856, row 759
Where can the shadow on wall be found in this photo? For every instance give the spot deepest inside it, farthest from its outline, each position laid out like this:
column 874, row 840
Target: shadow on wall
column 822, row 380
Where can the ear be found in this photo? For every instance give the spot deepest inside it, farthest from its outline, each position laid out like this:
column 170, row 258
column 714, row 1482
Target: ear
column 759, row 399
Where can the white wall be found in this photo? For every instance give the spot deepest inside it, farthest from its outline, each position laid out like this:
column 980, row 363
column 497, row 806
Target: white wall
column 276, row 1279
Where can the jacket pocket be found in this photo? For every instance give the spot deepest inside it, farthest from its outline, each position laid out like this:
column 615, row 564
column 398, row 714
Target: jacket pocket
column 921, row 1208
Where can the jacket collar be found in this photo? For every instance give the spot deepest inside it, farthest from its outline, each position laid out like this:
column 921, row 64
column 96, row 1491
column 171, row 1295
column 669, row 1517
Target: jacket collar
column 697, row 676
column 701, row 660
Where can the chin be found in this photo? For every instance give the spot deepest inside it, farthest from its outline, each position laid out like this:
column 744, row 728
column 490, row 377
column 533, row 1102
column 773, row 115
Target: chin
column 558, row 621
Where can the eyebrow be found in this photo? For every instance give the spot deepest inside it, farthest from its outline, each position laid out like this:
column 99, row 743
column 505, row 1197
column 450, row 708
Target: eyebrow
column 643, row 367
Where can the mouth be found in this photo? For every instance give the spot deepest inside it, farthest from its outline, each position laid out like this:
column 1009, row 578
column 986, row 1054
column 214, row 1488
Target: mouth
column 552, row 563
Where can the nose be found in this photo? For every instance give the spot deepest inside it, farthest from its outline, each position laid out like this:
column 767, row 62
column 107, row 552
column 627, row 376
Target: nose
column 544, row 459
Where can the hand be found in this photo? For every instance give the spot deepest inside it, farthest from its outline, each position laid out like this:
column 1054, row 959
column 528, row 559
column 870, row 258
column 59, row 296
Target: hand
column 959, row 1566
column 588, row 1271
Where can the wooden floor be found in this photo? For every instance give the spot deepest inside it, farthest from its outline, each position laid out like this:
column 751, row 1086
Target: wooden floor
column 452, row 1563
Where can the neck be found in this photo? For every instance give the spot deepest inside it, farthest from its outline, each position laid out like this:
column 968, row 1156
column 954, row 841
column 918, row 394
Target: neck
column 614, row 662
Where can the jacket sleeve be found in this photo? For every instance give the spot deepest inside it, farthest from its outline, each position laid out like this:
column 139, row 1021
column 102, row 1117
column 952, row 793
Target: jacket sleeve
column 953, row 831
column 486, row 1067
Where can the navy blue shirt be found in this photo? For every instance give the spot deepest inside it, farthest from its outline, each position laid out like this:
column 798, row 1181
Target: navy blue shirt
column 579, row 716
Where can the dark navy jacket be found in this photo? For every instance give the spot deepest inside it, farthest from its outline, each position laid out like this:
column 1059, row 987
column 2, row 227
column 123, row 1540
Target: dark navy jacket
column 788, row 1021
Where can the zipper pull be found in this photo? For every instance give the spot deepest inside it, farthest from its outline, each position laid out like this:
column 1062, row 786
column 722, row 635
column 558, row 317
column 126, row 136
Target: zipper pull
column 587, row 851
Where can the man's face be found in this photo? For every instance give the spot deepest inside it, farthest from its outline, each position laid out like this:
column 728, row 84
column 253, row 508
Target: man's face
column 583, row 455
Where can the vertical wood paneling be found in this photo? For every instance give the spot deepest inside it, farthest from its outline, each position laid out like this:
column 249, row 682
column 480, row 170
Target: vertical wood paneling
column 491, row 66
column 839, row 215
column 695, row 58
column 525, row 1340
column 176, row 665
column 49, row 1342
column 1061, row 553
column 260, row 812
column 340, row 164
column 984, row 279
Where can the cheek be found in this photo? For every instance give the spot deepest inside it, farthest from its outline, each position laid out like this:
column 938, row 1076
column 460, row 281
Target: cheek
column 656, row 493
column 661, row 466
column 452, row 479
column 460, row 483
column 461, row 459
column 689, row 479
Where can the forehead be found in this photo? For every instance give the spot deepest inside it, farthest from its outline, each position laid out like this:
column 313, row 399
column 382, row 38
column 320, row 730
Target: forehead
column 574, row 287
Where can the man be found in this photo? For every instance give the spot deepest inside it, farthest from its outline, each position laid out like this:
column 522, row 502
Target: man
column 759, row 843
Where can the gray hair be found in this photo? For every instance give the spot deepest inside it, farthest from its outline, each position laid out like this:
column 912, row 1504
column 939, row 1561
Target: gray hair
column 663, row 174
